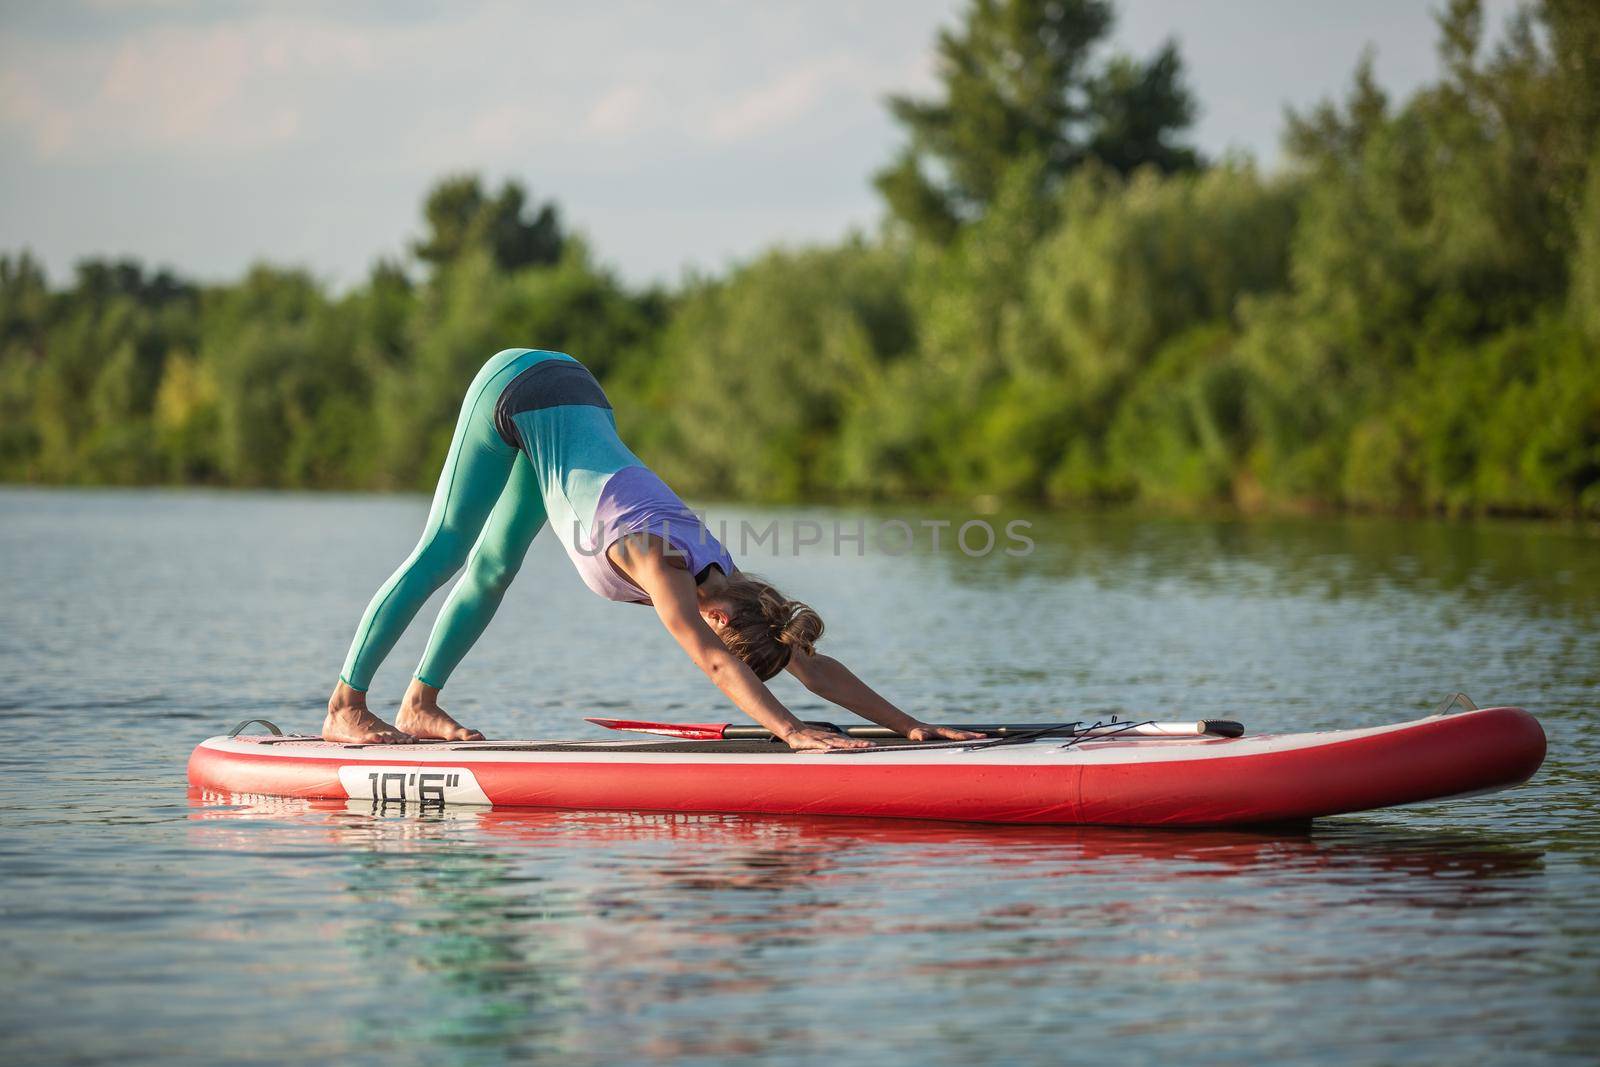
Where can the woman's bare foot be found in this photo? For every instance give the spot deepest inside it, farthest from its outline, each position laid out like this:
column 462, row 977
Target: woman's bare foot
column 421, row 716
column 351, row 723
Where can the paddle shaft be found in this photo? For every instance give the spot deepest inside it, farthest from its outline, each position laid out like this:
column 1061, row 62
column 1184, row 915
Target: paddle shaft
column 734, row 732
column 1221, row 727
column 713, row 731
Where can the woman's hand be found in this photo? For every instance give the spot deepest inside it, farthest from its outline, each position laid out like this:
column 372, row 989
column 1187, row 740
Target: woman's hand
column 815, row 739
column 924, row 732
column 833, row 682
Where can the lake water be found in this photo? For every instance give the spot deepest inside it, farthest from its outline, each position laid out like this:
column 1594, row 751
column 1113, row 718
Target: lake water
column 140, row 925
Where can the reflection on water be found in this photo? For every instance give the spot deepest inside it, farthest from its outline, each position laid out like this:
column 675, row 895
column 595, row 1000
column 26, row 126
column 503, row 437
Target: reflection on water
column 1538, row 566
column 724, row 935
column 139, row 924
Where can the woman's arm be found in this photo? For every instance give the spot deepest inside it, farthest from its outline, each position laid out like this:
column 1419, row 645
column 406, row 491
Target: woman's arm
column 836, row 683
column 672, row 591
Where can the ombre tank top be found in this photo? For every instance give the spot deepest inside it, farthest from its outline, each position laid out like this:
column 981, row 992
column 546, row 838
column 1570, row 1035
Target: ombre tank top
column 595, row 489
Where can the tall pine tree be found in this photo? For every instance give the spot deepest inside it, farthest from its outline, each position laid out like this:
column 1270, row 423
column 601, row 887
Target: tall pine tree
column 1020, row 80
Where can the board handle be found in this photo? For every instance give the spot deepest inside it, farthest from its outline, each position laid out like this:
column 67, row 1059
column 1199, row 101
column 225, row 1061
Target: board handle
column 271, row 727
column 1452, row 700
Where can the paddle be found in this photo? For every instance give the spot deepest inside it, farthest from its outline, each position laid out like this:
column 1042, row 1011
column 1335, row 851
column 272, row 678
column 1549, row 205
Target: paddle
column 724, row 731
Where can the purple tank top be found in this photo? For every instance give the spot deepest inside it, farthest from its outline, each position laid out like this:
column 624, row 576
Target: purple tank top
column 634, row 500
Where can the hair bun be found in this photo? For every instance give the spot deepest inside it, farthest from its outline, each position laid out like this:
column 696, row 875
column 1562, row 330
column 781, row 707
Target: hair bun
column 802, row 629
column 764, row 627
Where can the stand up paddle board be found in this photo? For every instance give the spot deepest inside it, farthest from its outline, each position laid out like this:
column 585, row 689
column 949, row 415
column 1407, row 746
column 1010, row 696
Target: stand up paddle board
column 1090, row 776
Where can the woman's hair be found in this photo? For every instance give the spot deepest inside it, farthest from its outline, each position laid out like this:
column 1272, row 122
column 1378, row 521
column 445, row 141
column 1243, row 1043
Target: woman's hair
column 764, row 627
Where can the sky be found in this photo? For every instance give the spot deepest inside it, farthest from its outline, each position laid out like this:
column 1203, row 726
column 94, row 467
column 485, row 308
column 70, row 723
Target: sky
column 205, row 135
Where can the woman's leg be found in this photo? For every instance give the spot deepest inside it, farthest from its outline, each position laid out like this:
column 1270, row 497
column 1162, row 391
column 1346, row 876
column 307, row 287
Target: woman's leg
column 475, row 472
column 517, row 518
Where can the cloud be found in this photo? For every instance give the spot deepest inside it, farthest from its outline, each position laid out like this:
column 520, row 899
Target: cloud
column 780, row 101
column 45, row 123
column 175, row 88
column 235, row 87
column 483, row 87
column 618, row 113
column 336, row 118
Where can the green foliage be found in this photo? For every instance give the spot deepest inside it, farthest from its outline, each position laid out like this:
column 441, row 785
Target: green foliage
column 1137, row 108
column 1135, row 263
column 1185, row 428
column 767, row 366
column 1514, row 421
column 1069, row 308
column 1584, row 297
column 462, row 218
column 1429, row 238
column 1019, row 83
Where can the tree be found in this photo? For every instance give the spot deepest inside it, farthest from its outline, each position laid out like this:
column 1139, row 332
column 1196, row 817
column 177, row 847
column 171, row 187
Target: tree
column 1136, row 108
column 1019, row 83
column 24, row 302
column 1327, row 136
column 461, row 217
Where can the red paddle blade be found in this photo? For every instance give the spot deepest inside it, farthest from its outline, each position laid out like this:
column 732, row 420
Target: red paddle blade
column 693, row 731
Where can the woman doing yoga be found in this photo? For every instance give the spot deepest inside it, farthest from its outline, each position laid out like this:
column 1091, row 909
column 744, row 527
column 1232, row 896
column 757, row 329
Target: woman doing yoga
column 537, row 442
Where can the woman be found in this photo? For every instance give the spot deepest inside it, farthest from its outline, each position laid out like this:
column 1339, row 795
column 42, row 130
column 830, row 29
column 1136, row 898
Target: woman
column 537, row 442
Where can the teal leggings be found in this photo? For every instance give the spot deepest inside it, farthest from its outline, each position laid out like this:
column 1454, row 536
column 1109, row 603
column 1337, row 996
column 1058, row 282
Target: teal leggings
column 486, row 512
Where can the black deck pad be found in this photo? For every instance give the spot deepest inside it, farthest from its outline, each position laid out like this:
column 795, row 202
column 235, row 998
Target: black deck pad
column 736, row 748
